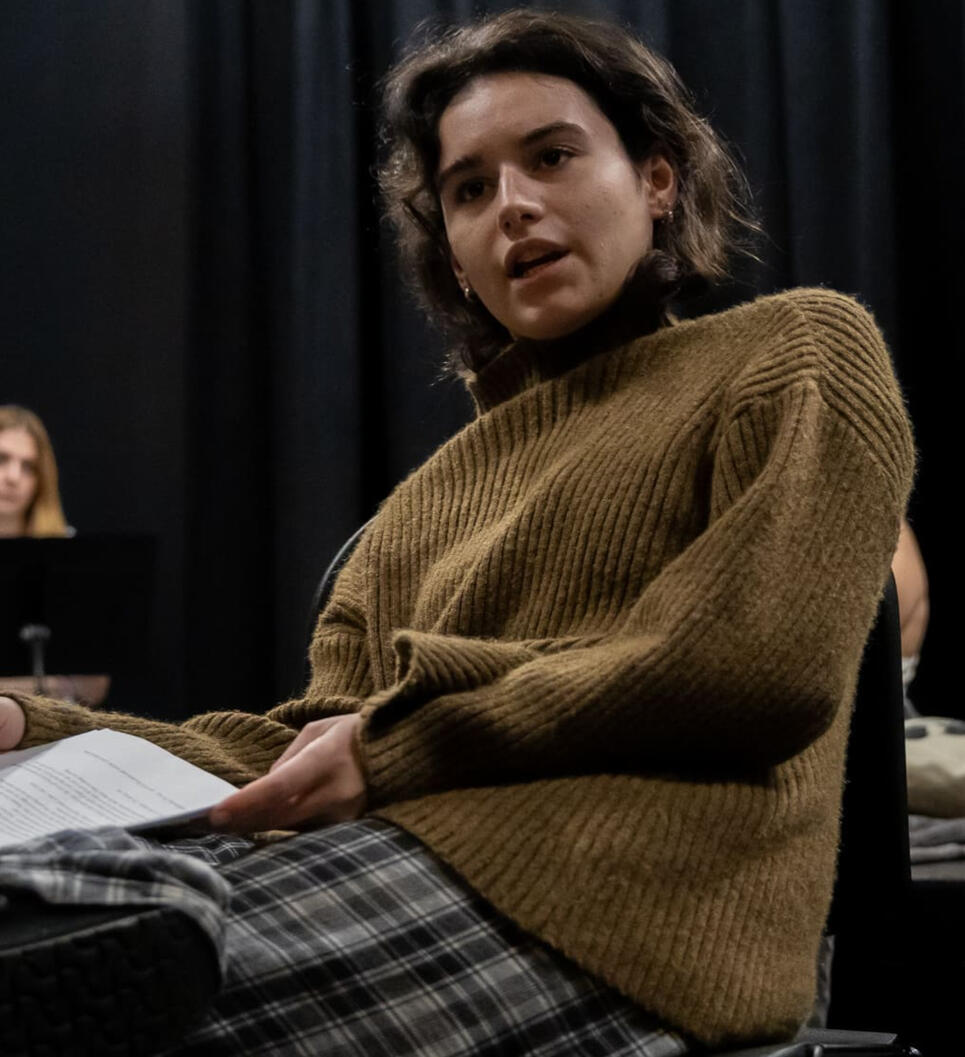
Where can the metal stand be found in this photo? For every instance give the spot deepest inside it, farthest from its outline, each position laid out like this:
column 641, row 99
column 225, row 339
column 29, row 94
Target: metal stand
column 36, row 636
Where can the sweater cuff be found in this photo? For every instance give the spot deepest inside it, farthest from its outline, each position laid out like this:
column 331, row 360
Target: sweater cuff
column 430, row 665
column 406, row 755
column 398, row 765
column 255, row 740
column 303, row 710
column 50, row 720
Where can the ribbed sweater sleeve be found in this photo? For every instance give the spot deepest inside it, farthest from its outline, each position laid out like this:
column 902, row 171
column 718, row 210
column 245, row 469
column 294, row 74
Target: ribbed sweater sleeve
column 236, row 746
column 740, row 651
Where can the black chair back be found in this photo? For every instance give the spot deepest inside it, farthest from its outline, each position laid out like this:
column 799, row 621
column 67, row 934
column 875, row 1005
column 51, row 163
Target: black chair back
column 873, row 879
column 324, row 590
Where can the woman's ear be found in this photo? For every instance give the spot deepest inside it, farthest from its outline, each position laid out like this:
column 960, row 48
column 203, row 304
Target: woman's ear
column 659, row 184
column 460, row 274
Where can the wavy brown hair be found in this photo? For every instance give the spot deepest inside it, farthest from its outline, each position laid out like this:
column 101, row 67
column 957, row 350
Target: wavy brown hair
column 44, row 515
column 638, row 91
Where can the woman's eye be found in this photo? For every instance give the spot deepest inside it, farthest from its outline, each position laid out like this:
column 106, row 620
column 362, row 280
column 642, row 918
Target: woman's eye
column 469, row 190
column 553, row 157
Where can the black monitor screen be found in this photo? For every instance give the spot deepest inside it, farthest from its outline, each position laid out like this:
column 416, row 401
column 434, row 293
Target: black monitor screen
column 93, row 593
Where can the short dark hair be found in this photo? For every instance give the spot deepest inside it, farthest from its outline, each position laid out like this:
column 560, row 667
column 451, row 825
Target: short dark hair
column 638, row 91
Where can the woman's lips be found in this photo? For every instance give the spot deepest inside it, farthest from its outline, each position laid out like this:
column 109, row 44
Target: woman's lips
column 539, row 266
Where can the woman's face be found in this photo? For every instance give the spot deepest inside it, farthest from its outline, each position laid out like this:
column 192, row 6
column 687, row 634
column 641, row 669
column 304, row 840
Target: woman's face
column 18, row 473
column 546, row 214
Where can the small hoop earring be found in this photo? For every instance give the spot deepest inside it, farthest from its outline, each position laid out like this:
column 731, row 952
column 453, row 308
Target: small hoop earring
column 468, row 293
column 668, row 216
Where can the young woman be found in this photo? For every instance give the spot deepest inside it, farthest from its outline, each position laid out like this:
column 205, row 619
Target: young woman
column 29, row 498
column 580, row 697
column 30, row 506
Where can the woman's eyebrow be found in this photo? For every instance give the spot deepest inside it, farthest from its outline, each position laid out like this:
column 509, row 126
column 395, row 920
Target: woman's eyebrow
column 552, row 129
column 467, row 161
column 471, row 161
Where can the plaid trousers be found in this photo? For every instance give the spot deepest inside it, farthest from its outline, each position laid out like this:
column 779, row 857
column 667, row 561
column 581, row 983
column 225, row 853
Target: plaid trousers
column 348, row 941
column 356, row 940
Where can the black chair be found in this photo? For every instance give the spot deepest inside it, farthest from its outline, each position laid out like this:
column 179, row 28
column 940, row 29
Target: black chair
column 324, row 591
column 899, row 960
column 872, row 888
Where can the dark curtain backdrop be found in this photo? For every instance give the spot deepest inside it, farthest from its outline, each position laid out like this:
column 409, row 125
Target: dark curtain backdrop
column 201, row 301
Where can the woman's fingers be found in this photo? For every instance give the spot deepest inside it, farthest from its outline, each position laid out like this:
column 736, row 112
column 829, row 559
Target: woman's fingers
column 303, row 789
column 307, row 734
column 13, row 723
column 271, row 802
column 320, row 782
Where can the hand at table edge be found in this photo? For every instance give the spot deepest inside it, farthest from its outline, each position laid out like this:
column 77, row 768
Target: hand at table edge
column 13, row 723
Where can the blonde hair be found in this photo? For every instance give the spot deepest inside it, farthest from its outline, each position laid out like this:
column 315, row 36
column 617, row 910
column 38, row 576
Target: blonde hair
column 45, row 515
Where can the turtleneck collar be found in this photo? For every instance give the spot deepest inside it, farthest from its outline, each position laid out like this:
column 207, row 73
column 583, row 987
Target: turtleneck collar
column 527, row 362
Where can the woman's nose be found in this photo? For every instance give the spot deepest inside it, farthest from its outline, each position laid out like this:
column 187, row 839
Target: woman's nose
column 519, row 202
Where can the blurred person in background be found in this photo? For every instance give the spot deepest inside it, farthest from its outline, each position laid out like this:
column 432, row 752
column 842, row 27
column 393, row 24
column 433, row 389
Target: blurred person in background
column 30, row 506
column 29, row 496
column 911, row 580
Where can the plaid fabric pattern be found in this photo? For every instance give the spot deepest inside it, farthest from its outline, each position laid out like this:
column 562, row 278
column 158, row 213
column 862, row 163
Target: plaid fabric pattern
column 109, row 867
column 355, row 940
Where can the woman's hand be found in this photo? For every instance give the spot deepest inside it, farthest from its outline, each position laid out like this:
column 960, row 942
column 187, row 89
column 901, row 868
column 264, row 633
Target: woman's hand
column 13, row 723
column 318, row 778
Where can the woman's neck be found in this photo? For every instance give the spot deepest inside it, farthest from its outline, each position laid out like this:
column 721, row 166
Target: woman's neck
column 634, row 314
column 11, row 526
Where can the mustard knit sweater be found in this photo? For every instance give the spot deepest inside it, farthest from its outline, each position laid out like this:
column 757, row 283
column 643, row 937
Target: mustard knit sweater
column 605, row 640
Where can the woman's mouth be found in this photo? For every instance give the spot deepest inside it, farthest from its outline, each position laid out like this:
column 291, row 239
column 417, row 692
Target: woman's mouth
column 528, row 267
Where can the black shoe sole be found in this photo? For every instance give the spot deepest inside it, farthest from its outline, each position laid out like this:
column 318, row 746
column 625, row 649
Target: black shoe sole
column 95, row 982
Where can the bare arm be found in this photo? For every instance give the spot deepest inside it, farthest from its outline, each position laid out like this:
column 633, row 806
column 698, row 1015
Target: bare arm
column 911, row 580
